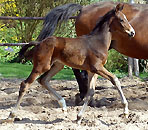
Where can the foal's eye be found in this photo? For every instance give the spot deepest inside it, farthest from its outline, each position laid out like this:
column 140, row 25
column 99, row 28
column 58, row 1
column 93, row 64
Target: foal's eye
column 121, row 20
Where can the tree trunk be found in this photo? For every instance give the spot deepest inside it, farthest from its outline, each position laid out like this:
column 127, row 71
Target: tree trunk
column 132, row 62
column 130, row 67
column 136, row 67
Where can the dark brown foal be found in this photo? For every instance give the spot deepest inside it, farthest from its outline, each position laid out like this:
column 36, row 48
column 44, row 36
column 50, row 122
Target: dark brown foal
column 88, row 52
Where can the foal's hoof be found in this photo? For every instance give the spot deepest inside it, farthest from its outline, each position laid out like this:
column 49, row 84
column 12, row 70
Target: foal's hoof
column 79, row 119
column 11, row 116
column 10, row 119
column 6, row 121
column 124, row 115
column 64, row 110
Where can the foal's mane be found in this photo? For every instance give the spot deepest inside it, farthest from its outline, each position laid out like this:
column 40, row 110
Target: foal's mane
column 102, row 21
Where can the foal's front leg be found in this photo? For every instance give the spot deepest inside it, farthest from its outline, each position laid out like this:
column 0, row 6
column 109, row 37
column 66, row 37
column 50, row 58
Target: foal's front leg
column 104, row 73
column 91, row 90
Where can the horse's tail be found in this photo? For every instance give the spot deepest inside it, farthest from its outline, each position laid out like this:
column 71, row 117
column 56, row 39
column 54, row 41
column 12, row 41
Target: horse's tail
column 55, row 17
column 26, row 52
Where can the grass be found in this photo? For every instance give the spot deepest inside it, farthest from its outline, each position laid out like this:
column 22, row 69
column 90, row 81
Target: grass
column 143, row 75
column 16, row 70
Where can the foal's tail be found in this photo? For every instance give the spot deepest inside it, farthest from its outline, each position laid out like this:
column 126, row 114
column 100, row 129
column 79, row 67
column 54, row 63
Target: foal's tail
column 26, row 52
column 55, row 17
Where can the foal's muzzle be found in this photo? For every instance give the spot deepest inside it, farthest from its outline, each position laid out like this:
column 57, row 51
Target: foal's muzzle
column 131, row 34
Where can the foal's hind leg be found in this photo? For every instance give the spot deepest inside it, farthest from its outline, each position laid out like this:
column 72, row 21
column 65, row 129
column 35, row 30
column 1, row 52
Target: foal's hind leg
column 91, row 90
column 23, row 88
column 104, row 73
column 45, row 78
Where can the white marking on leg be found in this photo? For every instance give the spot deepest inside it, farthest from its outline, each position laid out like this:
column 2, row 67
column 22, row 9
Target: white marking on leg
column 57, row 96
column 123, row 99
column 45, row 81
column 62, row 103
column 90, row 93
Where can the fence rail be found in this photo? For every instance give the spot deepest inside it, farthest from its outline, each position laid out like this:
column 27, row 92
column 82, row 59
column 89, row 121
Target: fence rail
column 13, row 44
column 22, row 18
column 26, row 18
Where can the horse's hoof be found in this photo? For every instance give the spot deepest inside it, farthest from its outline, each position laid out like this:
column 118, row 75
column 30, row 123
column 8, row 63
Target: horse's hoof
column 92, row 103
column 78, row 100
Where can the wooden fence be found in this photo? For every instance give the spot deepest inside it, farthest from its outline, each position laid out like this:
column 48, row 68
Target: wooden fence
column 18, row 18
column 22, row 18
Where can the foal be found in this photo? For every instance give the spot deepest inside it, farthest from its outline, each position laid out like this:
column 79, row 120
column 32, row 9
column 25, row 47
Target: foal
column 88, row 52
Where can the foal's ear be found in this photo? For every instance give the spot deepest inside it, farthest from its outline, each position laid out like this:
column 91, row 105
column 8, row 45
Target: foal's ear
column 119, row 7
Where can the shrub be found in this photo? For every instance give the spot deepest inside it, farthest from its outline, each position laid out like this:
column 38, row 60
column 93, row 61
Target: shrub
column 116, row 61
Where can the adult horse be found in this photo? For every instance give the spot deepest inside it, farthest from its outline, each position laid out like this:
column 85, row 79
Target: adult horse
column 136, row 47
column 86, row 20
column 88, row 52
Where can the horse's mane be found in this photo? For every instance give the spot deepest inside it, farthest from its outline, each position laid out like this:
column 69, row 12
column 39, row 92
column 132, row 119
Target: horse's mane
column 101, row 21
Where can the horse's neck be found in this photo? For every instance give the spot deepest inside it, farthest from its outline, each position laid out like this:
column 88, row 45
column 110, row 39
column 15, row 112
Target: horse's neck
column 101, row 29
column 102, row 36
column 100, row 40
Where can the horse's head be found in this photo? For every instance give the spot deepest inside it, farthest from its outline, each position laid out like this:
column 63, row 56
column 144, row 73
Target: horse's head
column 120, row 22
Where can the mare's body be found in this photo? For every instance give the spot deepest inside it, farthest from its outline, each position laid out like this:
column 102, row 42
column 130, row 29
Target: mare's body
column 137, row 15
column 137, row 47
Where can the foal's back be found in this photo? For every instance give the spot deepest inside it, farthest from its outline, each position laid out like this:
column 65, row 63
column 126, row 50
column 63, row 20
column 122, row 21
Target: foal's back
column 75, row 52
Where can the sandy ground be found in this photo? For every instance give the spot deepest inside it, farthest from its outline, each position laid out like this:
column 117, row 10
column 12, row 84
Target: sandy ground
column 39, row 111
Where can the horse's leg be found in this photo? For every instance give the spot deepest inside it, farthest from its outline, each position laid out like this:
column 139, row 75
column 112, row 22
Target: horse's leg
column 82, row 79
column 91, row 90
column 45, row 78
column 104, row 73
column 23, row 88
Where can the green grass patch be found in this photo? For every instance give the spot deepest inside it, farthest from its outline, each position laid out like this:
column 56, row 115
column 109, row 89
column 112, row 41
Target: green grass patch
column 16, row 70
column 143, row 75
column 66, row 74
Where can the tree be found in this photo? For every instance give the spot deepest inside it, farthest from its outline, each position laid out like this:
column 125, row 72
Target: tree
column 25, row 31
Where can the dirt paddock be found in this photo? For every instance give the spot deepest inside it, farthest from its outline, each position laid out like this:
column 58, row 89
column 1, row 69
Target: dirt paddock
column 39, row 111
